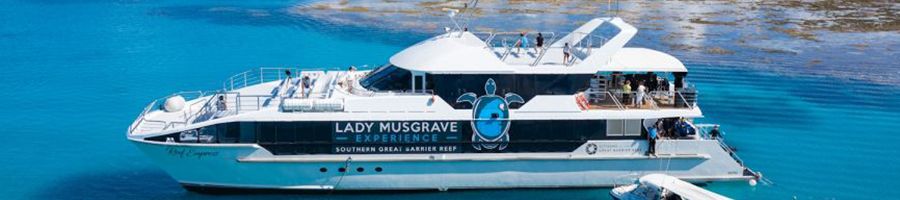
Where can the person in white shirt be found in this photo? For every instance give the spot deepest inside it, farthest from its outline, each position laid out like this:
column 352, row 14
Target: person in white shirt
column 641, row 91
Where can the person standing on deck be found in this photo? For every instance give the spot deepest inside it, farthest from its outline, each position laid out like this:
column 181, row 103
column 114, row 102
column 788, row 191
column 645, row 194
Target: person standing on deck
column 522, row 43
column 641, row 92
column 221, row 105
column 566, row 50
column 626, row 93
column 287, row 73
column 539, row 43
column 661, row 129
column 304, row 86
column 651, row 140
column 714, row 134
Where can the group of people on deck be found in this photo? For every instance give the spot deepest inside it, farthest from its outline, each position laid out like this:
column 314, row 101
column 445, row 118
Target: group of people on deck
column 304, row 84
column 672, row 128
column 635, row 88
column 522, row 43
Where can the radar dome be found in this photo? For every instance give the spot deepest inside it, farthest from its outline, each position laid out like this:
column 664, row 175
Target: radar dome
column 174, row 104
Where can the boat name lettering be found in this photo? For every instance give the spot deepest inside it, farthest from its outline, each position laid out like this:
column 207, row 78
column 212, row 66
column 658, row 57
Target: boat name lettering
column 190, row 153
column 617, row 148
column 396, row 137
column 395, row 127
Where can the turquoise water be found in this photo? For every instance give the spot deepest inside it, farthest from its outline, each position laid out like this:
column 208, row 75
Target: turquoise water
column 76, row 73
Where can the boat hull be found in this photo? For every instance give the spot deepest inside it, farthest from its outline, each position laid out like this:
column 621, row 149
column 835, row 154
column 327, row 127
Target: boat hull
column 224, row 167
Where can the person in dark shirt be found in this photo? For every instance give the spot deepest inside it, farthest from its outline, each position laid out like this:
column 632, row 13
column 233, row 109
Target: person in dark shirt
column 221, row 105
column 539, row 43
column 714, row 134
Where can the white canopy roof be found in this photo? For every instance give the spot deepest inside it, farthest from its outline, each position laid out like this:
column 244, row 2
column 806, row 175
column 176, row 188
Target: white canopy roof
column 643, row 60
column 684, row 189
column 462, row 52
column 450, row 52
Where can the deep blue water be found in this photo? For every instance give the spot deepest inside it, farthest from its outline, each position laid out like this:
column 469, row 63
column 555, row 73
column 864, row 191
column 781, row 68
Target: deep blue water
column 75, row 73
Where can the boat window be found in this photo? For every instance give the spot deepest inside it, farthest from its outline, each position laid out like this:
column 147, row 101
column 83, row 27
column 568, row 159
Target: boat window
column 228, row 132
column 208, row 134
column 285, row 133
column 267, row 133
column 623, row 127
column 387, row 78
column 248, row 132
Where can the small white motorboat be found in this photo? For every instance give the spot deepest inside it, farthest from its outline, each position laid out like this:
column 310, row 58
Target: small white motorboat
column 661, row 186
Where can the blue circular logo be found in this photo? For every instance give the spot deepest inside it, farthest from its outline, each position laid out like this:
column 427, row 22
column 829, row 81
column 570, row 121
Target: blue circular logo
column 490, row 116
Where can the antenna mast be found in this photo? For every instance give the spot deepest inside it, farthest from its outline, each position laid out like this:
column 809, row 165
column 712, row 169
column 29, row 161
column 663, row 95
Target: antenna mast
column 465, row 12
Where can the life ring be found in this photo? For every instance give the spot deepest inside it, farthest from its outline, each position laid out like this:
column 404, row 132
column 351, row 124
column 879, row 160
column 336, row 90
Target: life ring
column 582, row 101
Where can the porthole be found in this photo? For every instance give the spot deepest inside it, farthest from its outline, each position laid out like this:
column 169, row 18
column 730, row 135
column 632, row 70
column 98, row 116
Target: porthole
column 360, row 169
column 342, row 170
column 378, row 169
column 323, row 170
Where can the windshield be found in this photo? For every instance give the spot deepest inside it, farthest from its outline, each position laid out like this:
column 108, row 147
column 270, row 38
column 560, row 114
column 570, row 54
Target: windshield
column 387, row 78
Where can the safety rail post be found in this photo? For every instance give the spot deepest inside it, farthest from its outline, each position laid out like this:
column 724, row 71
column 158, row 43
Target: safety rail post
column 615, row 100
column 648, row 97
column 686, row 103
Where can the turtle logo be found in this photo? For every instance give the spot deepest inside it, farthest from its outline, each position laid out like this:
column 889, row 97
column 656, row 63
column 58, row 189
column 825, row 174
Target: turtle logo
column 490, row 116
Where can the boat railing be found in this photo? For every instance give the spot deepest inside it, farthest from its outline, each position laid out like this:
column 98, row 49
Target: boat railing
column 657, row 99
column 507, row 41
column 140, row 119
column 544, row 49
column 704, row 129
column 257, row 76
column 234, row 102
column 157, row 104
column 585, row 47
column 681, row 100
column 615, row 100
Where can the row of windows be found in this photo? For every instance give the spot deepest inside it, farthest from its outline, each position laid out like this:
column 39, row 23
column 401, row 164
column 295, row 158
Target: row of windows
column 449, row 87
column 284, row 138
column 261, row 133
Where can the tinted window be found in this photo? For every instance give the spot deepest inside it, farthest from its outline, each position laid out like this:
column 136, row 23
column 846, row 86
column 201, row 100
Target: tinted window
column 286, row 132
column 248, row 132
column 387, row 78
column 223, row 134
column 267, row 132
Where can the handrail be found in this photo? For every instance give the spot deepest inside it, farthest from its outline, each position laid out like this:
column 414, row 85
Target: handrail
column 237, row 81
column 690, row 106
column 140, row 117
column 615, row 100
column 544, row 49
column 508, row 50
column 649, row 98
column 257, row 76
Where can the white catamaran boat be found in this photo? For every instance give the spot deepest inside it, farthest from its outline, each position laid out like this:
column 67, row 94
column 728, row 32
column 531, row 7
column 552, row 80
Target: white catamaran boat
column 461, row 110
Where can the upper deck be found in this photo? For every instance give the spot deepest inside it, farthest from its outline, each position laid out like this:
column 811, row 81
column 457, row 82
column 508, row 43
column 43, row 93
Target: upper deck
column 596, row 46
column 601, row 80
column 269, row 94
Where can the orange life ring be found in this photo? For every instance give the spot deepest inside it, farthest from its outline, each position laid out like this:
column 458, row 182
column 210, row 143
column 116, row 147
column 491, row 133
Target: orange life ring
column 582, row 101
